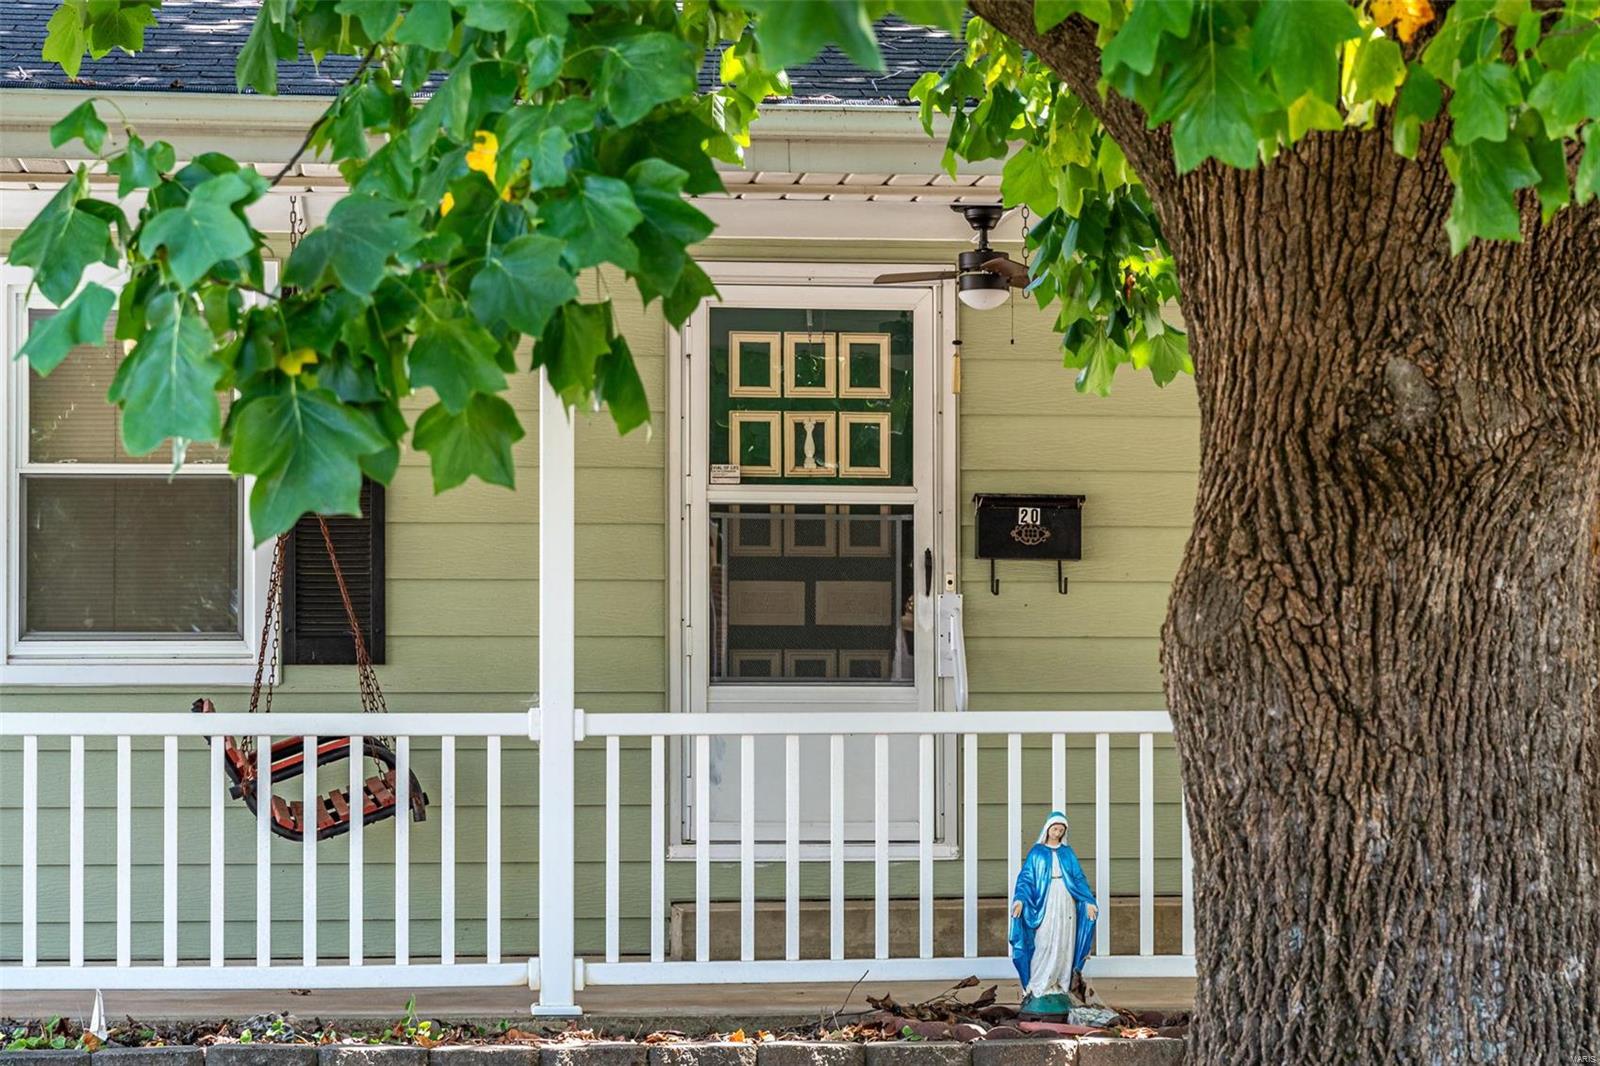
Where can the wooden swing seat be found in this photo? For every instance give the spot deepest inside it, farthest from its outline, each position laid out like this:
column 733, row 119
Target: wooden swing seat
column 380, row 798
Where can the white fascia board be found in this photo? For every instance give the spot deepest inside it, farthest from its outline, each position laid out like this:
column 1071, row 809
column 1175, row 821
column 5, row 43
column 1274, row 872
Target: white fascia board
column 267, row 130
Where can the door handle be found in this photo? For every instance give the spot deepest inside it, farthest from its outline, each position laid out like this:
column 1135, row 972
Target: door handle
column 927, row 571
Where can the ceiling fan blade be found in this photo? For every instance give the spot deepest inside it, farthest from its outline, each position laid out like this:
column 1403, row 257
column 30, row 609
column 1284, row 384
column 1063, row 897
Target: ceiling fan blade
column 1008, row 268
column 920, row 275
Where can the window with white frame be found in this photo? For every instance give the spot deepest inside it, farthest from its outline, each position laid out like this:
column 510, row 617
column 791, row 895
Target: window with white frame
column 119, row 570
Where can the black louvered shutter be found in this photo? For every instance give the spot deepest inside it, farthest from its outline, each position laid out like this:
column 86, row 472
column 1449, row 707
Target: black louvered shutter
column 315, row 630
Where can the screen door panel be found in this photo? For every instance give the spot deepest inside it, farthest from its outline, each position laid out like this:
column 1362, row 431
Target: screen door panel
column 814, row 464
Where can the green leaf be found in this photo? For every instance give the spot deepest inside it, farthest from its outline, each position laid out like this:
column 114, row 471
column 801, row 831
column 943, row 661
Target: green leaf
column 1487, row 175
column 1566, row 98
column 644, row 70
column 1483, row 92
column 80, row 123
column 203, row 232
column 531, row 135
column 618, row 386
column 692, row 287
column 119, row 24
column 1419, row 102
column 671, row 225
column 455, row 358
column 576, row 336
column 521, row 284
column 1297, row 42
column 1166, row 355
column 304, row 447
column 1212, row 100
column 793, row 31
column 475, row 441
column 1097, row 359
column 1136, row 43
column 1550, row 160
column 1587, row 185
column 167, row 384
column 544, row 57
column 1028, row 178
column 1311, row 112
column 595, row 222
column 361, row 234
column 376, row 16
column 256, row 66
column 65, row 37
column 945, row 14
column 139, row 166
column 427, row 25
column 62, row 240
column 81, row 321
column 1377, row 71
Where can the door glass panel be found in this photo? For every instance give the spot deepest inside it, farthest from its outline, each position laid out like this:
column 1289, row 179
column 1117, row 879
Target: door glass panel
column 812, row 594
column 802, row 397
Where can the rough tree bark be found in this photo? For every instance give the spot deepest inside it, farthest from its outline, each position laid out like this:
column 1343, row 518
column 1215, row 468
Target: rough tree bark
column 1382, row 651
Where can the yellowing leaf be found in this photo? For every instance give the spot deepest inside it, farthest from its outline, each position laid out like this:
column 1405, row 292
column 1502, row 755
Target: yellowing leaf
column 736, row 1037
column 481, row 157
column 446, row 203
column 1409, row 16
column 1310, row 112
column 292, row 363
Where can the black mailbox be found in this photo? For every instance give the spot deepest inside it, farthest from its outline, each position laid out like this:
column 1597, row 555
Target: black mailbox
column 1028, row 526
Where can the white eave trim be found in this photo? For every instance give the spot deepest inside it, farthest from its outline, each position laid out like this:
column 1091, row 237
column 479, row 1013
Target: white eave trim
column 793, row 138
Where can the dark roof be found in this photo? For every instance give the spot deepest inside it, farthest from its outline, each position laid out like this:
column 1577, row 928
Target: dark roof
column 192, row 47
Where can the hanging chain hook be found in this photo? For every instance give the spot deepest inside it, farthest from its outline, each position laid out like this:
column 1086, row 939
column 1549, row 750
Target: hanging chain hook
column 297, row 223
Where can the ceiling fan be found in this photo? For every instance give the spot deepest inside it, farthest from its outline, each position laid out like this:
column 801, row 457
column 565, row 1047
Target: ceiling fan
column 984, row 275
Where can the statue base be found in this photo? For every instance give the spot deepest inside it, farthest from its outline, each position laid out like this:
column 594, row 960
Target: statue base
column 1054, row 1008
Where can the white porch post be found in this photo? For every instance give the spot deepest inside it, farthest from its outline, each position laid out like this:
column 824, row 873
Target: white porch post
column 556, row 704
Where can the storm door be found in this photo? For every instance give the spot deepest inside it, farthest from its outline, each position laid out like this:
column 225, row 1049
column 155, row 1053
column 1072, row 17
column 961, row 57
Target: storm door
column 811, row 539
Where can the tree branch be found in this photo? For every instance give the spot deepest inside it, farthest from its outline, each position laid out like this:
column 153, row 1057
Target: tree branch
column 1069, row 49
column 366, row 61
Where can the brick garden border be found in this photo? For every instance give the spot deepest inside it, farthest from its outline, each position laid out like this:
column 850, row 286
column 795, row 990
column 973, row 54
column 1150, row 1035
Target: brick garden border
column 1088, row 1051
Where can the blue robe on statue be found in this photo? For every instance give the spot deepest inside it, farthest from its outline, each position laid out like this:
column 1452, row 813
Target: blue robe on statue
column 1033, row 886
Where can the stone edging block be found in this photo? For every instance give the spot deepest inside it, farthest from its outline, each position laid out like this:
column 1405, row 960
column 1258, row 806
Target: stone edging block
column 1037, row 1052
column 918, row 1053
column 151, row 1056
column 1152, row 1051
column 371, row 1055
column 600, row 1053
column 722, row 1054
column 484, row 1055
column 261, row 1055
column 45, row 1057
column 806, row 1053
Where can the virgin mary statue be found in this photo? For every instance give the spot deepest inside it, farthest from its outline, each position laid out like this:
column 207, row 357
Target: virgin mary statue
column 1052, row 921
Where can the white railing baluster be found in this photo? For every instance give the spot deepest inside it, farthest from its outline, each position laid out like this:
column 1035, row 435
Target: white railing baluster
column 791, row 847
column 310, row 810
column 747, row 848
column 1058, row 772
column 124, row 850
column 658, row 848
column 925, row 847
column 357, row 867
column 1147, row 847
column 836, row 847
column 169, row 853
column 30, row 850
column 402, row 850
column 969, row 846
column 216, row 911
column 447, row 850
column 75, row 859
column 1102, row 842
column 492, row 860
column 263, row 851
column 1013, row 815
column 1188, row 880
column 613, row 845
column 880, row 846
column 702, row 848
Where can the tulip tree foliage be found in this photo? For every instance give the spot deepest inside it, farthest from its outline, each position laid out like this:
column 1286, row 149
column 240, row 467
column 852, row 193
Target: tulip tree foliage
column 495, row 150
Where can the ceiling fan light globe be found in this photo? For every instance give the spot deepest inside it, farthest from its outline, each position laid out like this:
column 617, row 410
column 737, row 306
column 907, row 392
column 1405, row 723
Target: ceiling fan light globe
column 982, row 291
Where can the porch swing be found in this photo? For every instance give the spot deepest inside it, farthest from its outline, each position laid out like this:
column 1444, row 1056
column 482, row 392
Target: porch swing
column 335, row 812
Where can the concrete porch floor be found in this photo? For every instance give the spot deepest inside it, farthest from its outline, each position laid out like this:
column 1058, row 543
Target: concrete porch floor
column 636, row 1009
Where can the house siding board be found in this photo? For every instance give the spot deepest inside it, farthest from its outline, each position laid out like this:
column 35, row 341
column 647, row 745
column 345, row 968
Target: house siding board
column 463, row 623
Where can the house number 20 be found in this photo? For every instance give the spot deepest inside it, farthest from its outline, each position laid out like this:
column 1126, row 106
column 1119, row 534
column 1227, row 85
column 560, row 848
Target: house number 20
column 1027, row 516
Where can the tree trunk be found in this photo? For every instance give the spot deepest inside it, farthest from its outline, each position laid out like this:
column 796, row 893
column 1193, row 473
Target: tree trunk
column 1382, row 654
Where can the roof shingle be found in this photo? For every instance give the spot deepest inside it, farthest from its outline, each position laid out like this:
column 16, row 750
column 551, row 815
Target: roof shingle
column 193, row 44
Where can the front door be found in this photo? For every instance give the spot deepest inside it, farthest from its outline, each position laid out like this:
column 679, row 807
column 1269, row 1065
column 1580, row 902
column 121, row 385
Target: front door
column 813, row 549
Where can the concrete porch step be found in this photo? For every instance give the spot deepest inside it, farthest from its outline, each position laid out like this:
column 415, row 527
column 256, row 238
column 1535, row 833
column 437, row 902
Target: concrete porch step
column 903, row 928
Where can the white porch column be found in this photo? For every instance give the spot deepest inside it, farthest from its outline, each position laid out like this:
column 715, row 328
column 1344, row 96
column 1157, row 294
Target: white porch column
column 556, row 704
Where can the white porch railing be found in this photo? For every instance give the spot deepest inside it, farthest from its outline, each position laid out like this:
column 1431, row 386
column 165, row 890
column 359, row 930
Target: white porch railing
column 319, row 965
column 350, row 965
